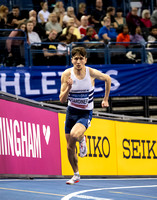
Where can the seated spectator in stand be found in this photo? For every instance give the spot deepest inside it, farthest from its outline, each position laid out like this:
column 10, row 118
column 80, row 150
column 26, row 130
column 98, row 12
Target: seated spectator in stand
column 71, row 22
column 32, row 13
column 97, row 14
column 153, row 18
column 111, row 13
column 49, row 49
column 133, row 20
column 153, row 34
column 70, row 13
column 53, row 23
column 39, row 28
column 33, row 37
column 146, row 18
column 3, row 16
column 62, row 50
column 120, row 20
column 70, row 37
column 82, row 11
column 14, row 47
column 84, row 26
column 106, row 32
column 137, row 37
column 124, row 36
column 43, row 14
column 62, row 46
column 2, row 20
column 15, row 18
column 89, row 35
column 59, row 9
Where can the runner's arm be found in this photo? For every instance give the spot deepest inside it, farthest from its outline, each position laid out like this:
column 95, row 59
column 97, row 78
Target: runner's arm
column 103, row 77
column 66, row 84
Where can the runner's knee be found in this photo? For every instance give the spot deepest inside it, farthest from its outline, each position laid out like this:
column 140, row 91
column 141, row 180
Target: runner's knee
column 76, row 134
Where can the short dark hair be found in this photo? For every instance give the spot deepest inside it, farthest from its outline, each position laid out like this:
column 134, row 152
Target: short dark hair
column 79, row 50
column 16, row 6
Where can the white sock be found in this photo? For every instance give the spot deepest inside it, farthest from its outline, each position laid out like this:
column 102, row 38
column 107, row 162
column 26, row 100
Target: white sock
column 77, row 173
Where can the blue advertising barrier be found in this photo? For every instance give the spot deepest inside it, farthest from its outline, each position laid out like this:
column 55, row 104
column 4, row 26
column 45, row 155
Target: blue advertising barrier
column 43, row 82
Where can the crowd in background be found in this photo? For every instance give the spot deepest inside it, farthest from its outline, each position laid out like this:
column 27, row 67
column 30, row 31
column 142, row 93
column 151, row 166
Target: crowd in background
column 61, row 26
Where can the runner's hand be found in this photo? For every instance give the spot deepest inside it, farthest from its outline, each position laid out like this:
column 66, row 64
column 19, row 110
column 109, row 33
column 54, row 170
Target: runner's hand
column 104, row 103
column 69, row 82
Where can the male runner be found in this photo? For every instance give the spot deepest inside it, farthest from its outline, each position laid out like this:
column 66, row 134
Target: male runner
column 77, row 85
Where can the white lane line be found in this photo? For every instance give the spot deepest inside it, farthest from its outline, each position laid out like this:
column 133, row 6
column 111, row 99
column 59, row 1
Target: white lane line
column 90, row 197
column 138, row 195
column 29, row 191
column 69, row 196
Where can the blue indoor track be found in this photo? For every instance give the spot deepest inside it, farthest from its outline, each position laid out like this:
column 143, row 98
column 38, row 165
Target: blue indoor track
column 97, row 189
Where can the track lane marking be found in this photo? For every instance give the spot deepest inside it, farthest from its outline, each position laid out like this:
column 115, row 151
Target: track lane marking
column 69, row 196
column 29, row 191
column 138, row 195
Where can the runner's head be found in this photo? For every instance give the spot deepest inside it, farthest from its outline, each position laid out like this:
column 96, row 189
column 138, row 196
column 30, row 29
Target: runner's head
column 79, row 57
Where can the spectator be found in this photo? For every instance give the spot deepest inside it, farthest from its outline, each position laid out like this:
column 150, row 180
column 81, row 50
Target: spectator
column 153, row 34
column 3, row 16
column 14, row 46
column 119, row 20
column 111, row 13
column 137, row 37
column 89, row 35
column 70, row 13
column 154, row 18
column 133, row 20
column 33, row 37
column 59, row 9
column 2, row 20
column 43, row 14
column 50, row 48
column 84, row 26
column 97, row 14
column 15, row 18
column 39, row 28
column 62, row 48
column 82, row 11
column 124, row 36
column 106, row 32
column 71, row 22
column 32, row 13
column 53, row 23
column 70, row 37
column 146, row 18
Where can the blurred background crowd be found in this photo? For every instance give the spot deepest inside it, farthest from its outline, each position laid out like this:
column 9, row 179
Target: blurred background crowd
column 52, row 25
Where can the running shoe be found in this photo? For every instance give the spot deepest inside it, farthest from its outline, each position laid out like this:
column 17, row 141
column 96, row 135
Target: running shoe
column 73, row 180
column 83, row 147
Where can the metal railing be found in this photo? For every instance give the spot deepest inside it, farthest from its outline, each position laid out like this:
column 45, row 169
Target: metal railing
column 5, row 38
column 111, row 53
column 122, row 49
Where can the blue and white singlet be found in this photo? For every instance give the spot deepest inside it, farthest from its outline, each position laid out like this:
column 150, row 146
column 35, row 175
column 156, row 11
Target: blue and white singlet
column 82, row 91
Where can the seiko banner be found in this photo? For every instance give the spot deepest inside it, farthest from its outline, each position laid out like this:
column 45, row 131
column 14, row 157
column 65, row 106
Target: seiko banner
column 43, row 82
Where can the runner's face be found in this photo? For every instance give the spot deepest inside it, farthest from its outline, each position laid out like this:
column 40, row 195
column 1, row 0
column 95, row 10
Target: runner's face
column 78, row 61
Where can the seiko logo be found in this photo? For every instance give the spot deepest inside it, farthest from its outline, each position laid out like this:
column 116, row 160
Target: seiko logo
column 98, row 146
column 139, row 149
